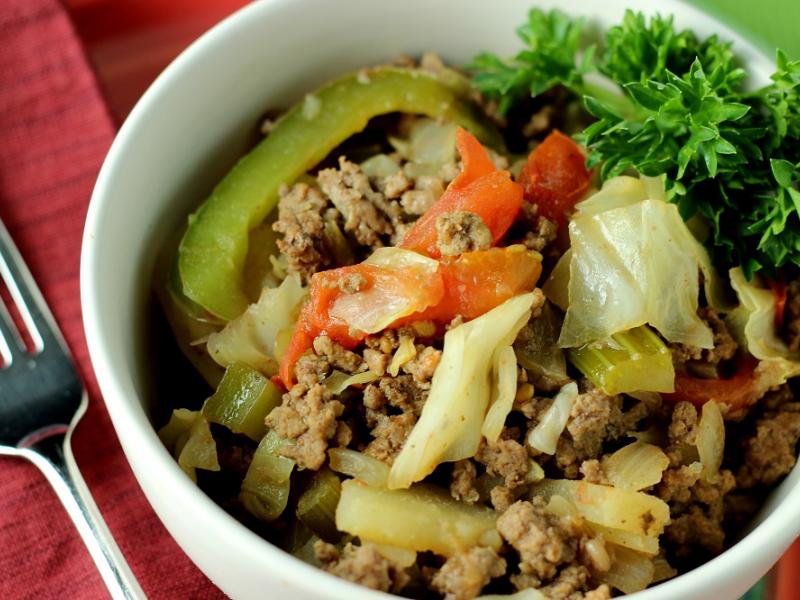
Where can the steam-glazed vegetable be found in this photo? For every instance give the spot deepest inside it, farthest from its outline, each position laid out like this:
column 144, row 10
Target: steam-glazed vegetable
column 265, row 489
column 449, row 428
column 401, row 405
column 242, row 401
column 605, row 263
column 258, row 336
column 629, row 361
column 420, row 519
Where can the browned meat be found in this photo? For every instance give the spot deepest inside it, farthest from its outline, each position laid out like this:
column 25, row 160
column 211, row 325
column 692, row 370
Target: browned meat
column 424, row 364
column 544, row 542
column 337, row 356
column 363, row 565
column 697, row 509
column 571, row 584
column 308, row 414
column 390, row 433
column 502, row 498
column 464, row 575
column 704, row 361
column 462, row 481
column 771, row 452
column 302, row 225
column 461, row 231
column 505, row 458
column 366, row 211
column 540, row 232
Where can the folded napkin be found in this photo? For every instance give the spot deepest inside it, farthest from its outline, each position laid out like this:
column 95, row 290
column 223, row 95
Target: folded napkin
column 54, row 132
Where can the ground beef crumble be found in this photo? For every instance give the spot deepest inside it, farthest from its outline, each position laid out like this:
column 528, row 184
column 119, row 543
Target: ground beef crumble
column 464, row 575
column 350, row 192
column 363, row 565
column 505, row 458
column 302, row 225
column 704, row 361
column 462, row 481
column 546, row 544
column 771, row 452
column 461, row 231
column 791, row 326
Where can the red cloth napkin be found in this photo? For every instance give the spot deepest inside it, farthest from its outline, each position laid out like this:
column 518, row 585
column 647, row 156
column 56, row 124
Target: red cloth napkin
column 54, row 132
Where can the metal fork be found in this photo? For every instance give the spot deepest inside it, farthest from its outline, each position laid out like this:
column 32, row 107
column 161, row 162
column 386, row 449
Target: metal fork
column 41, row 401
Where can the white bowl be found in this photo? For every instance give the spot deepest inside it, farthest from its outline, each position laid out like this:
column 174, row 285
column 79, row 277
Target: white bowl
column 184, row 134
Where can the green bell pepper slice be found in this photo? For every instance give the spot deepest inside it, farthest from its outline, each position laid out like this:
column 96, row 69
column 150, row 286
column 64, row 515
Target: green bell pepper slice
column 212, row 253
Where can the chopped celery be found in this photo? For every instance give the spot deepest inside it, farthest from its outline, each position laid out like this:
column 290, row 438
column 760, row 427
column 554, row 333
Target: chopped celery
column 420, row 519
column 316, row 508
column 242, row 401
column 265, row 489
column 633, row 360
column 188, row 437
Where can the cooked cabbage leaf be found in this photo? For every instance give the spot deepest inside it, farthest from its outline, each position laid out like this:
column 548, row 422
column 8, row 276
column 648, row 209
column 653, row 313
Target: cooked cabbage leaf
column 449, row 428
column 633, row 262
column 753, row 321
column 255, row 337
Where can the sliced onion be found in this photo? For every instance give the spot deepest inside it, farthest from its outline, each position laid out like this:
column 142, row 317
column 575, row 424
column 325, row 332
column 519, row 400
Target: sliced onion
column 636, row 466
column 544, row 437
column 711, row 440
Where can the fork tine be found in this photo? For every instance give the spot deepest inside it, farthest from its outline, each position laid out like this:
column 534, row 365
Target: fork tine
column 32, row 307
column 9, row 340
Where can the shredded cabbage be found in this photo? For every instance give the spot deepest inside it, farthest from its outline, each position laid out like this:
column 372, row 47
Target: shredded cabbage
column 254, row 337
column 449, row 428
column 504, row 375
column 544, row 437
column 633, row 261
column 753, row 321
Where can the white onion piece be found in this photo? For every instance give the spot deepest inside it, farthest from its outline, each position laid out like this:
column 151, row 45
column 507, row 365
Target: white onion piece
column 544, row 437
column 636, row 466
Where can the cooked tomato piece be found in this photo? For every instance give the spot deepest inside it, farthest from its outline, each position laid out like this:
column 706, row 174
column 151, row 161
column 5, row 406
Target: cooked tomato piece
column 555, row 178
column 479, row 188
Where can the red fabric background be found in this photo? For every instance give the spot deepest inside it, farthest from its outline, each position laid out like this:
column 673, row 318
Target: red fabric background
column 54, row 132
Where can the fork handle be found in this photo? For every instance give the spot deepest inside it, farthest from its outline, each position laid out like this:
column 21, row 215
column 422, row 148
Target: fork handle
column 53, row 456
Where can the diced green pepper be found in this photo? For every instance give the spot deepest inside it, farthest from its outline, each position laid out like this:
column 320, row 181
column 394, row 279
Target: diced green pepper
column 265, row 489
column 634, row 360
column 317, row 506
column 242, row 401
column 213, row 251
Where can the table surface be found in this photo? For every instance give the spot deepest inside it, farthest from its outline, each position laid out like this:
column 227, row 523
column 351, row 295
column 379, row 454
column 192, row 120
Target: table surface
column 130, row 41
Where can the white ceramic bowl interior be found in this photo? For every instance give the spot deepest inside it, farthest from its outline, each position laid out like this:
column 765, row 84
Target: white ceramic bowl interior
column 181, row 138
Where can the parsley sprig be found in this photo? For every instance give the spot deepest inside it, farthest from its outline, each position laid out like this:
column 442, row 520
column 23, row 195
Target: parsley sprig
column 680, row 111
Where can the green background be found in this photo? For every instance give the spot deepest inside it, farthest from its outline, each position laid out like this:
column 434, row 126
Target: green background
column 769, row 23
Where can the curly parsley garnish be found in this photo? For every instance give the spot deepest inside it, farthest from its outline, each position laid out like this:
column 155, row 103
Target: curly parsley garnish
column 668, row 104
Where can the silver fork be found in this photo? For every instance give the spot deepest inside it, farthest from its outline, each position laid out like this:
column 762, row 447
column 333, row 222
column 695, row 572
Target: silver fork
column 41, row 401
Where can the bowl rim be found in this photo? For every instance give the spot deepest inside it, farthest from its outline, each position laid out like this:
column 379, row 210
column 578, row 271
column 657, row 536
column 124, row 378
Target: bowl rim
column 142, row 446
